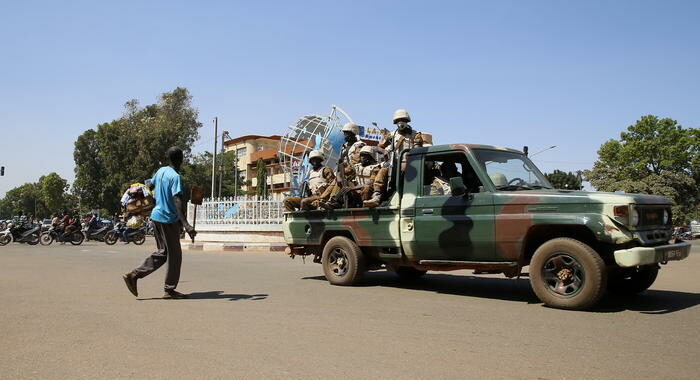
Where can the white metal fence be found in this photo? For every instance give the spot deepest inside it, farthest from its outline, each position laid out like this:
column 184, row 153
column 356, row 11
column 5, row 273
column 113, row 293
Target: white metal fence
column 237, row 211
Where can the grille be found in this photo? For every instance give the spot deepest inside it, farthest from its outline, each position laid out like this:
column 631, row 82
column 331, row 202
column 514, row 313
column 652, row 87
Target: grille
column 652, row 216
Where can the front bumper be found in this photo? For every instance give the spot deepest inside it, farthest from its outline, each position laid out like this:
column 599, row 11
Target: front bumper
column 651, row 255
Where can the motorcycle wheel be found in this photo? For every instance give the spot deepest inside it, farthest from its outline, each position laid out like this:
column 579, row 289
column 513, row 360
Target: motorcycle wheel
column 34, row 239
column 111, row 238
column 46, row 238
column 139, row 238
column 4, row 240
column 77, row 238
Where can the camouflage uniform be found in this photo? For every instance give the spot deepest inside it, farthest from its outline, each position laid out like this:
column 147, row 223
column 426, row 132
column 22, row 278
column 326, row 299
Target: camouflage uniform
column 440, row 187
column 366, row 176
column 318, row 183
column 350, row 155
column 353, row 152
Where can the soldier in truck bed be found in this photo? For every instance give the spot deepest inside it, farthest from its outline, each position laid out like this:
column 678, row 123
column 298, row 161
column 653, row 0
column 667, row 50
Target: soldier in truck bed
column 363, row 189
column 349, row 156
column 350, row 150
column 320, row 178
column 404, row 137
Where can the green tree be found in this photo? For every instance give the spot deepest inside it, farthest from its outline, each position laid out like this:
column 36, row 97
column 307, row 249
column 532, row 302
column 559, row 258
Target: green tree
column 197, row 171
column 564, row 180
column 52, row 192
column 261, row 188
column 89, row 171
column 25, row 200
column 654, row 156
column 133, row 147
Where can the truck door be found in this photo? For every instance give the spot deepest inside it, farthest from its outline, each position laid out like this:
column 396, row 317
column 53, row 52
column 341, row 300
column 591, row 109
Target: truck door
column 452, row 227
column 410, row 182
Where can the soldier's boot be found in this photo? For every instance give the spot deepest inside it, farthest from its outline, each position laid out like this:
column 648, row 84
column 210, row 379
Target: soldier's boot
column 374, row 201
column 326, row 205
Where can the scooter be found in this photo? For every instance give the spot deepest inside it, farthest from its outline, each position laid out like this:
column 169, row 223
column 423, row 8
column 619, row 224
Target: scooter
column 48, row 237
column 21, row 234
column 96, row 234
column 136, row 235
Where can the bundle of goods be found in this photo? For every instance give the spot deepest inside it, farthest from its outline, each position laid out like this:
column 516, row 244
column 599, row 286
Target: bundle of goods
column 137, row 200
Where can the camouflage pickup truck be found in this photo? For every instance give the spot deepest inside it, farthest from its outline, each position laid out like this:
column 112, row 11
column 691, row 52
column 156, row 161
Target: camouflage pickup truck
column 497, row 215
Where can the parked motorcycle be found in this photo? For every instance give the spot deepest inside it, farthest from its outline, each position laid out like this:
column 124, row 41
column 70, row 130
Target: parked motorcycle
column 136, row 235
column 96, row 234
column 48, row 237
column 26, row 233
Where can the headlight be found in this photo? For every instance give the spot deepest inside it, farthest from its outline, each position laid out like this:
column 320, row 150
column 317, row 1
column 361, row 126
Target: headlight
column 634, row 217
column 665, row 217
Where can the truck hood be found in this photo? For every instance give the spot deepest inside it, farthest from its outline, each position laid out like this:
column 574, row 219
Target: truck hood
column 552, row 196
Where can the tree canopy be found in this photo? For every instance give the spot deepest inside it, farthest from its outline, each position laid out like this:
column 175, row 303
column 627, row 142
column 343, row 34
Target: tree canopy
column 40, row 199
column 131, row 148
column 564, row 180
column 653, row 156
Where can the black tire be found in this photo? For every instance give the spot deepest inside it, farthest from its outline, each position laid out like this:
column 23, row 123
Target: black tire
column 76, row 238
column 567, row 274
column 627, row 281
column 34, row 238
column 46, row 238
column 343, row 261
column 111, row 238
column 409, row 273
column 139, row 238
column 5, row 239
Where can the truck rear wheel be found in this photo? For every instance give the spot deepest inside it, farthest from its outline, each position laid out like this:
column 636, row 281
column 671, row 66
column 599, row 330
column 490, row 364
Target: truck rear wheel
column 567, row 274
column 626, row 281
column 343, row 261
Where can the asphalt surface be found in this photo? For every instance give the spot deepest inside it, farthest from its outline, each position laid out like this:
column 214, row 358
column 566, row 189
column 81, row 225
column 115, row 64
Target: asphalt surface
column 66, row 314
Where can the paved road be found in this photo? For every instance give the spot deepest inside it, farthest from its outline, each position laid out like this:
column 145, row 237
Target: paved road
column 66, row 314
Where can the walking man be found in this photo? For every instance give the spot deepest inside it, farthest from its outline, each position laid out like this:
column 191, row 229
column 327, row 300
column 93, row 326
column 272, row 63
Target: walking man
column 166, row 216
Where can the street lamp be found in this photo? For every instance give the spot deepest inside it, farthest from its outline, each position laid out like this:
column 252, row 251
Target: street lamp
column 543, row 150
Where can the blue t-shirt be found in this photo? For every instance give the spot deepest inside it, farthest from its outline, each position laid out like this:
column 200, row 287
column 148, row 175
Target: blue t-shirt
column 167, row 183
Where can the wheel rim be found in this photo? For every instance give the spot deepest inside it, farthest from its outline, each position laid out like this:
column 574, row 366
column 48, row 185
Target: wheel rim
column 45, row 239
column 338, row 262
column 563, row 275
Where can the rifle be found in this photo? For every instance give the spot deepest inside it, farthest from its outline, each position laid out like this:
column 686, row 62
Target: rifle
column 392, row 165
column 340, row 172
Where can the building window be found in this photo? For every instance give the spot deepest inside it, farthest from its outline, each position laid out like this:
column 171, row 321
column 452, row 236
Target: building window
column 241, row 152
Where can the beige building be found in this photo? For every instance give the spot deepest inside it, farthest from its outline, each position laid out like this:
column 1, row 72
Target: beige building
column 249, row 149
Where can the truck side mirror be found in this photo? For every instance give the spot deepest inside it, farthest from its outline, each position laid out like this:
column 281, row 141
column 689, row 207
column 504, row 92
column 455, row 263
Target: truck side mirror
column 457, row 186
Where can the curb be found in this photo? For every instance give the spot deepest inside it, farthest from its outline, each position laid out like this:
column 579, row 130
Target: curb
column 239, row 247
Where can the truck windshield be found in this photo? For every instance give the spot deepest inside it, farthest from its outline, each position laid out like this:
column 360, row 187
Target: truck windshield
column 510, row 171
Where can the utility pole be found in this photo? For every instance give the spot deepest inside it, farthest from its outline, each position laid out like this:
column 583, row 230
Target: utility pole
column 213, row 162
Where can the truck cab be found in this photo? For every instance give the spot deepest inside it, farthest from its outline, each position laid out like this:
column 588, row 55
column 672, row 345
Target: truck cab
column 493, row 211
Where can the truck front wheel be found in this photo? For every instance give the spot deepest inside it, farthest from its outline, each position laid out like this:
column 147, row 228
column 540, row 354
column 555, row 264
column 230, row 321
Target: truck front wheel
column 627, row 281
column 343, row 261
column 567, row 274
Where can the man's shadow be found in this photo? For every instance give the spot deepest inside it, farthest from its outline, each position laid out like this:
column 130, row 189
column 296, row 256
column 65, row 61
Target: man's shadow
column 217, row 294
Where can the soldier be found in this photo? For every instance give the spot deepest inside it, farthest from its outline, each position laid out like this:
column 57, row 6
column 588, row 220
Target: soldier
column 441, row 183
column 404, row 137
column 363, row 187
column 320, row 178
column 349, row 156
column 351, row 148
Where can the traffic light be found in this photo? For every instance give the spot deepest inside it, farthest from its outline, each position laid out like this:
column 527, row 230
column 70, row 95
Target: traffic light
column 2, row 170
